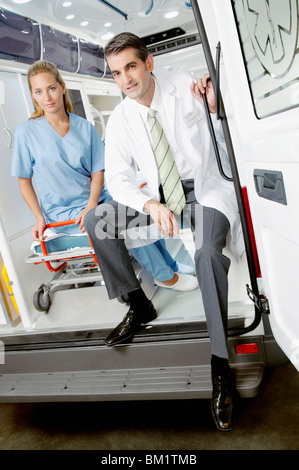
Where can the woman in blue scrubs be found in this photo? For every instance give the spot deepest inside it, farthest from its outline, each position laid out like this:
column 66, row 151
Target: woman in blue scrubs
column 65, row 155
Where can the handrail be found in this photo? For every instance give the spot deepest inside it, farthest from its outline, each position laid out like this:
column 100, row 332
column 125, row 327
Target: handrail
column 214, row 141
column 218, row 92
column 231, row 154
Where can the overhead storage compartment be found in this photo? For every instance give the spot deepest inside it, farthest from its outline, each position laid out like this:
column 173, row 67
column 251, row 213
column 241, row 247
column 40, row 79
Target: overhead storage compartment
column 19, row 38
column 60, row 48
column 108, row 73
column 25, row 40
column 92, row 60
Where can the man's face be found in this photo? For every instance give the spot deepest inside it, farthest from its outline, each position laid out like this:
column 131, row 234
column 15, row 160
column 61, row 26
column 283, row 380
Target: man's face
column 132, row 75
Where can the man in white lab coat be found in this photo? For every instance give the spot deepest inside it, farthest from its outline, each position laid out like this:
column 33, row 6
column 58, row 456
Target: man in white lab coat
column 177, row 104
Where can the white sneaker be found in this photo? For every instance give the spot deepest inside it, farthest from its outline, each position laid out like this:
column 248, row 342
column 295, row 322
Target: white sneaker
column 184, row 283
column 185, row 268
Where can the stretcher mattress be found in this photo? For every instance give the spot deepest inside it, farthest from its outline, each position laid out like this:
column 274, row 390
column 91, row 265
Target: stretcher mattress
column 62, row 243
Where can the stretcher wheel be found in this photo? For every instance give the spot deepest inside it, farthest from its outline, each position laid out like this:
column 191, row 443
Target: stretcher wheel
column 41, row 299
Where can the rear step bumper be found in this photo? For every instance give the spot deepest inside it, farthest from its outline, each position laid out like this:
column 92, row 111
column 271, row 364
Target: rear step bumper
column 132, row 384
column 148, row 368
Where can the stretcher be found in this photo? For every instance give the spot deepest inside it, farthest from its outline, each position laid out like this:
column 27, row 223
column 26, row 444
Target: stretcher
column 72, row 261
column 70, row 258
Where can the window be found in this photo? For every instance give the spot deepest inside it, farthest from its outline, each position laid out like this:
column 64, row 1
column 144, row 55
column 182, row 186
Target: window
column 268, row 32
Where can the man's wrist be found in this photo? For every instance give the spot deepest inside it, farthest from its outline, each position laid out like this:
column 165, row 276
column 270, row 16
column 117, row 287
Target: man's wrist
column 148, row 204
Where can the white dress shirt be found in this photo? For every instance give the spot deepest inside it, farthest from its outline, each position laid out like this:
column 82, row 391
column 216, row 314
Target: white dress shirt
column 184, row 168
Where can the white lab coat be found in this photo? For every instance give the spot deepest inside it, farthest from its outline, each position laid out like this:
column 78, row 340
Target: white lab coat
column 127, row 145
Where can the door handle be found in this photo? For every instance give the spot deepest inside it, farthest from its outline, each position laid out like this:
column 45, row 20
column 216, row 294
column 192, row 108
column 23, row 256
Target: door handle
column 214, row 141
column 270, row 185
column 219, row 112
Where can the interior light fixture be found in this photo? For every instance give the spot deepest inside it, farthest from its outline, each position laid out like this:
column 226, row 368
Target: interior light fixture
column 70, row 17
column 21, row 1
column 107, row 25
column 171, row 14
column 67, row 4
column 84, row 23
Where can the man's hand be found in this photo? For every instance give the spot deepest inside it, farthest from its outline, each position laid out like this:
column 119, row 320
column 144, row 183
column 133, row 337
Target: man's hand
column 204, row 85
column 163, row 217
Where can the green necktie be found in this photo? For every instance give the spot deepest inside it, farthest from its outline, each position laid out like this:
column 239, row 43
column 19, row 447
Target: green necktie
column 169, row 175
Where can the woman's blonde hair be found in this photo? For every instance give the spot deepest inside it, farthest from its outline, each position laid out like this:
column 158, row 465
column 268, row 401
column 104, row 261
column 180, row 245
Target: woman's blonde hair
column 41, row 66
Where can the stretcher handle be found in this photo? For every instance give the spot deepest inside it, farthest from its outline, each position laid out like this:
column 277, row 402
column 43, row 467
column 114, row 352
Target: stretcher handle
column 45, row 251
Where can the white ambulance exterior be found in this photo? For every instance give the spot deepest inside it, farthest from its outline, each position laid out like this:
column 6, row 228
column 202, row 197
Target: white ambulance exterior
column 259, row 70
column 251, row 50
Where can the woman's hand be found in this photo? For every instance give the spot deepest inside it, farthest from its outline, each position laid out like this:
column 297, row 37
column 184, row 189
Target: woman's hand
column 80, row 218
column 38, row 229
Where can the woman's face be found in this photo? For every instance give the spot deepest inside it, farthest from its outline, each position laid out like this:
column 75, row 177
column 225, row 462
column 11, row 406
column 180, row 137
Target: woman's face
column 47, row 92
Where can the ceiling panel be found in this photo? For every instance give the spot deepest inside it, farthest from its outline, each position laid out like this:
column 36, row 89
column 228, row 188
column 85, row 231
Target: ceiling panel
column 93, row 20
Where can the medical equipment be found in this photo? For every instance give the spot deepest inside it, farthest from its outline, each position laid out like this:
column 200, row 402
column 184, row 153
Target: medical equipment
column 70, row 257
column 99, row 119
column 72, row 260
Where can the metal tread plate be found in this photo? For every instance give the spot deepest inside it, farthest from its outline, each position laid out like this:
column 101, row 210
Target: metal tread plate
column 131, row 384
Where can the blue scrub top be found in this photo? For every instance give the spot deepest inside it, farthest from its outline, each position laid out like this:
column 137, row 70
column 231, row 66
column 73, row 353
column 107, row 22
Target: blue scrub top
column 61, row 166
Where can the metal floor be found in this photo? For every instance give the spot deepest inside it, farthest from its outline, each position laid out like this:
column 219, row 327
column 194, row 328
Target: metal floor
column 268, row 422
column 68, row 309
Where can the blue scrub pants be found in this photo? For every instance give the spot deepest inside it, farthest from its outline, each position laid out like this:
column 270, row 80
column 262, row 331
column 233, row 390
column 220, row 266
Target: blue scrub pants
column 156, row 259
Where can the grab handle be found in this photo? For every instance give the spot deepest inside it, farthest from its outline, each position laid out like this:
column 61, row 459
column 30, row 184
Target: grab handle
column 270, row 185
column 214, row 140
column 219, row 112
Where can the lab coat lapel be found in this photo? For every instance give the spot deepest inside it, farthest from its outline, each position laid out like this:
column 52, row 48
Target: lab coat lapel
column 143, row 155
column 134, row 120
column 168, row 101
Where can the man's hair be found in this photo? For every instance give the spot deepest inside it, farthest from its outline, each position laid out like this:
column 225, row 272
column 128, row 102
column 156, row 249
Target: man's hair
column 124, row 41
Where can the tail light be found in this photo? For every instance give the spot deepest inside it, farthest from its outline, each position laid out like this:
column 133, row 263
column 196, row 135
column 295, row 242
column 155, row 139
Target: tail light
column 251, row 232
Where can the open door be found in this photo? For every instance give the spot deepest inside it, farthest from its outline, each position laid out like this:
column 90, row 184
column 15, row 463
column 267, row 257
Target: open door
column 259, row 84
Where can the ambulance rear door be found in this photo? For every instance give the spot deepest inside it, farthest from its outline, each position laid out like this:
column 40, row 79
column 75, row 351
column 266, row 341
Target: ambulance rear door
column 258, row 73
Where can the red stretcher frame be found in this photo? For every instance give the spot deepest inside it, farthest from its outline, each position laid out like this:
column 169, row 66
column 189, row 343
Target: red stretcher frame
column 46, row 253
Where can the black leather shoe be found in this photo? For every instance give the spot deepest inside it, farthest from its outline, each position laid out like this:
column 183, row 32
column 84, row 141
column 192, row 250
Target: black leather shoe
column 224, row 403
column 130, row 325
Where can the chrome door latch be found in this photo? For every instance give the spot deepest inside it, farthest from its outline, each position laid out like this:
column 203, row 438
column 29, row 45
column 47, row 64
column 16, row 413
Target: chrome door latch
column 260, row 301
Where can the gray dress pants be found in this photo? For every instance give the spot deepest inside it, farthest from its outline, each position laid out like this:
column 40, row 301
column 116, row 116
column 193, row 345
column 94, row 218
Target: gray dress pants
column 104, row 225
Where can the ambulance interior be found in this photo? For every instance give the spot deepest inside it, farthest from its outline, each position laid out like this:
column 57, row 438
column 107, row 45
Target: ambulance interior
column 81, row 306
